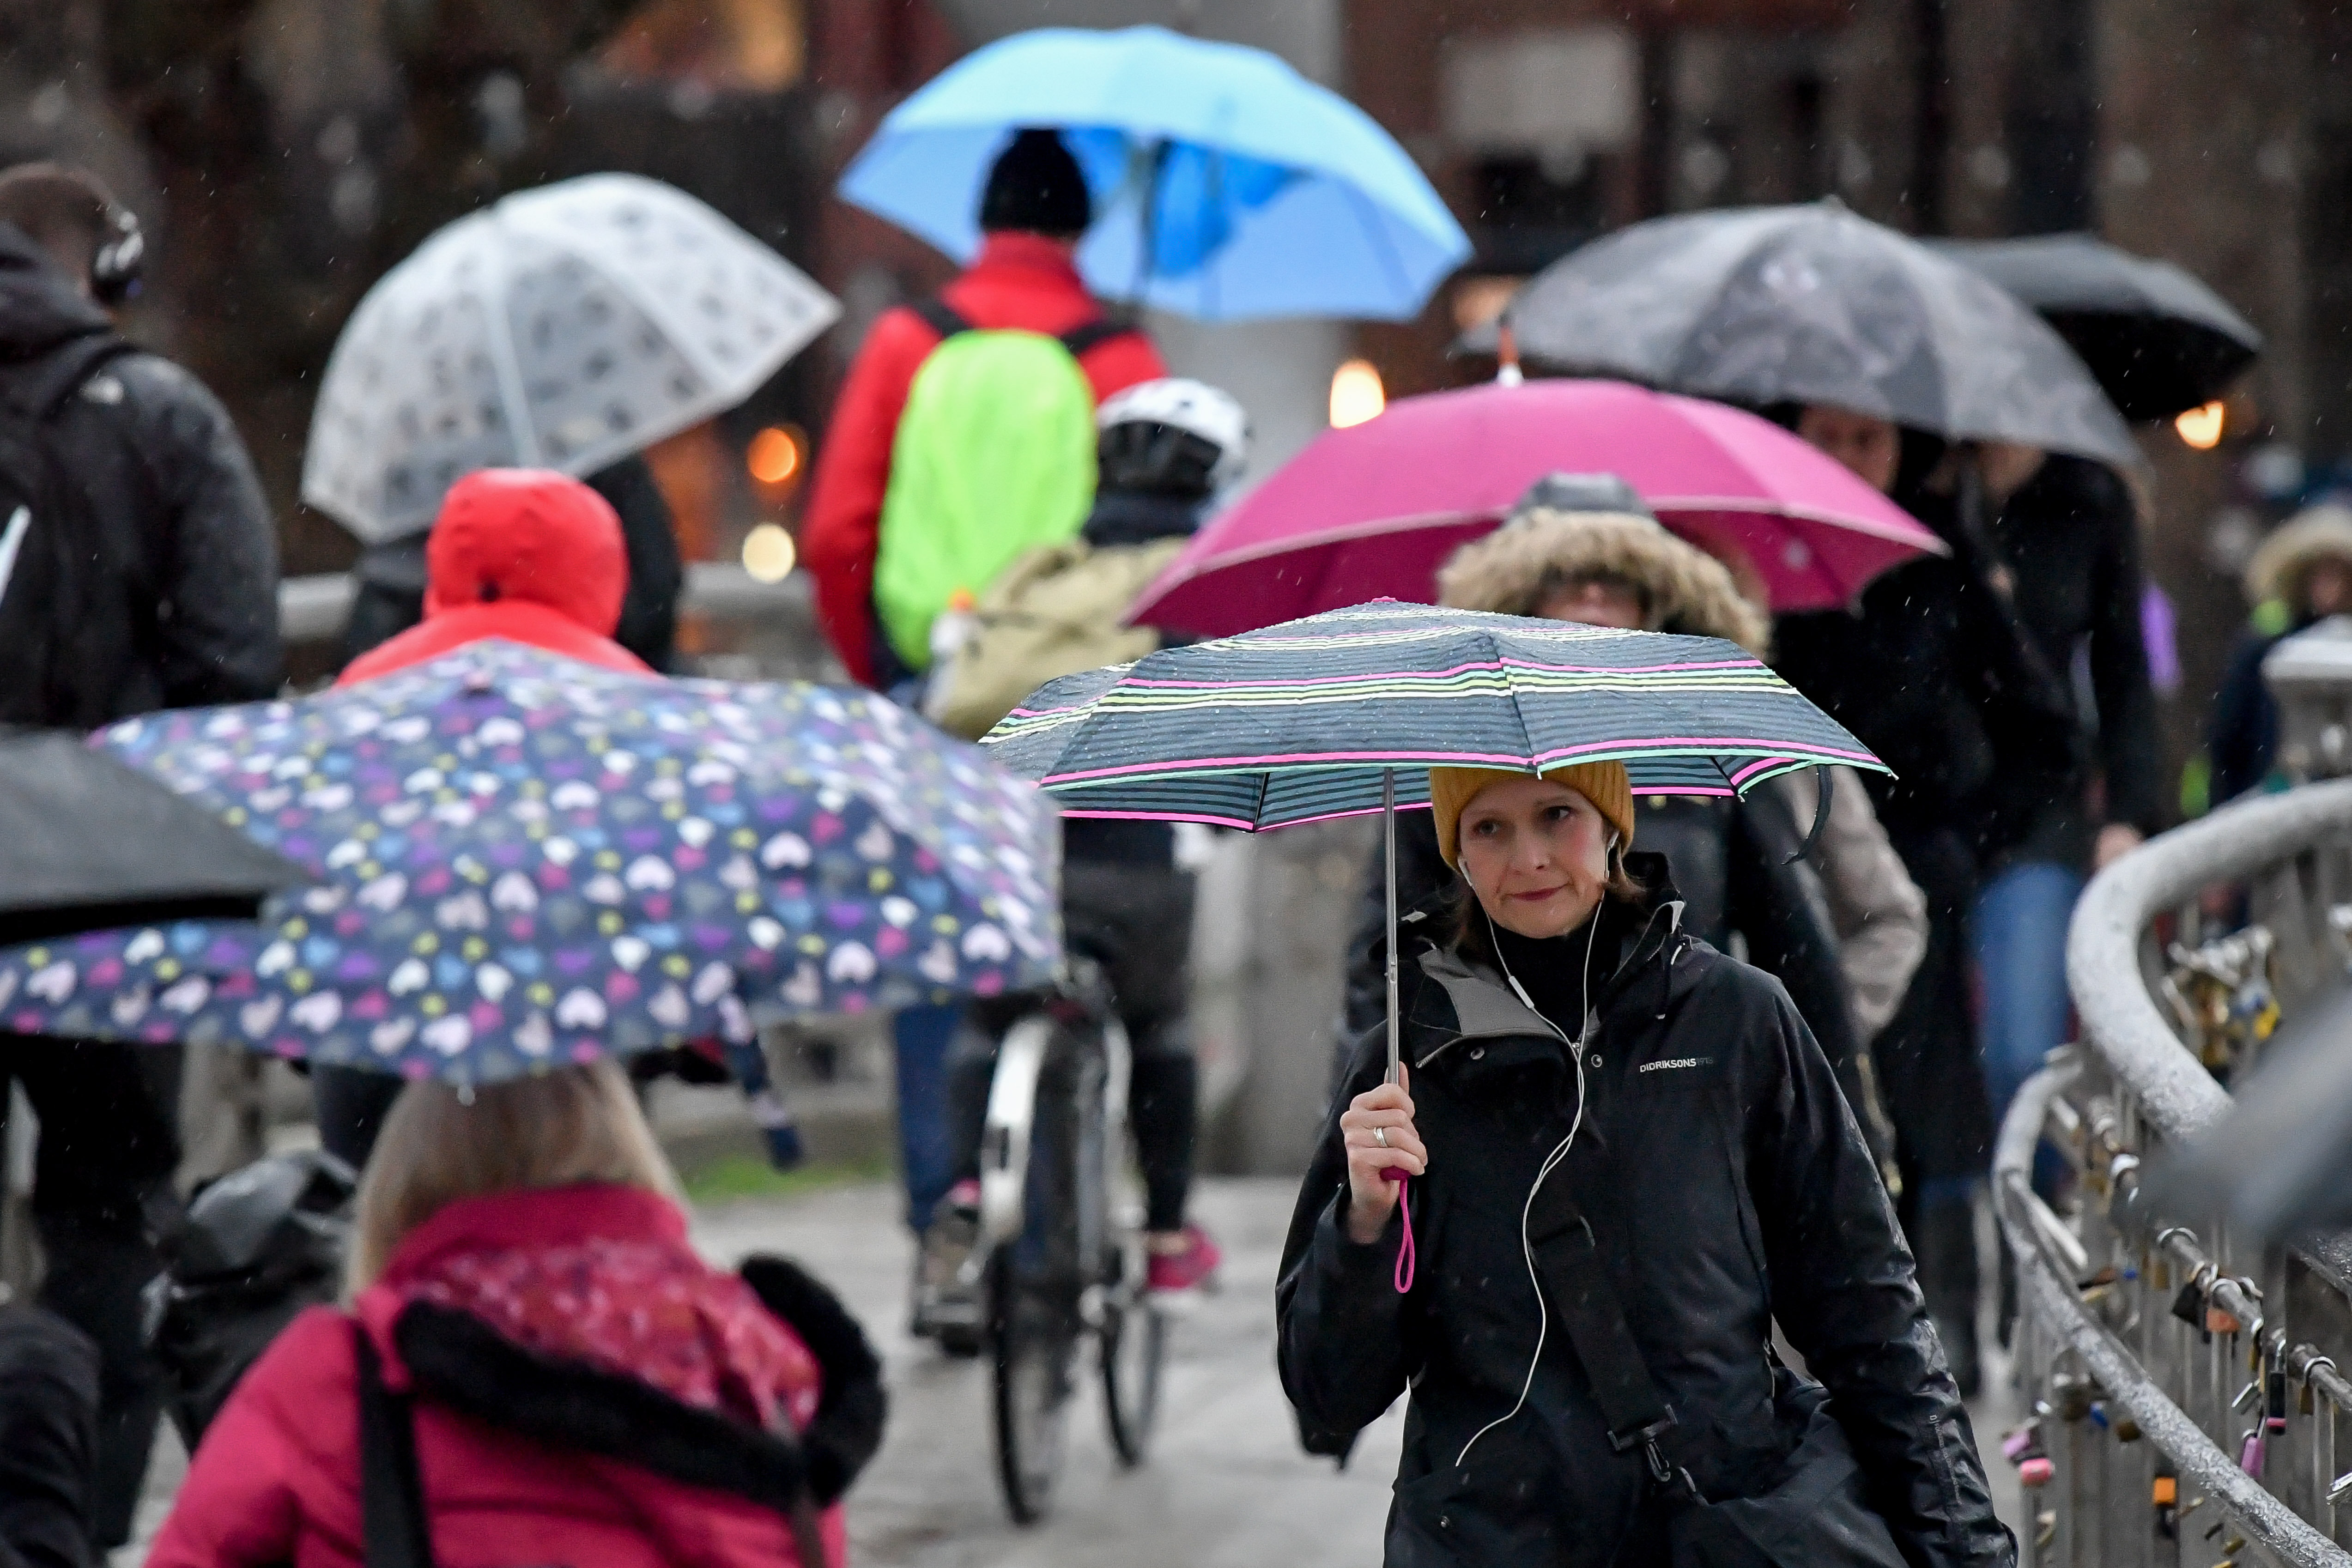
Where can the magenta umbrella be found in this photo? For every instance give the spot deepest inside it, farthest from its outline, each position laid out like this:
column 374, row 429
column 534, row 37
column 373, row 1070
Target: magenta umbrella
column 1371, row 511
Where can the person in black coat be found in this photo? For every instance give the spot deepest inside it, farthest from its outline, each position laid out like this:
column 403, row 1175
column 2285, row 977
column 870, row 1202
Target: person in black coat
column 48, row 1440
column 180, row 598
column 177, row 608
column 1605, row 1124
column 1932, row 669
column 1581, row 549
column 2064, row 547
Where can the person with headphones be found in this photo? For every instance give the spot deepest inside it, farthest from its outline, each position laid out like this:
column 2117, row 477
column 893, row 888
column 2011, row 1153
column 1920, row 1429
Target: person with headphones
column 1627, row 1159
column 1585, row 547
column 138, row 571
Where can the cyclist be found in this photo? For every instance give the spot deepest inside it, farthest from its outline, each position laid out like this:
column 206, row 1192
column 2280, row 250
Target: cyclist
column 1164, row 448
column 1034, row 209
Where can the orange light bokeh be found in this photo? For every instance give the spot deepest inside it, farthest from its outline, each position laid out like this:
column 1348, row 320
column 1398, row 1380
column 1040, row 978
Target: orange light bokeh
column 774, row 456
column 2201, row 427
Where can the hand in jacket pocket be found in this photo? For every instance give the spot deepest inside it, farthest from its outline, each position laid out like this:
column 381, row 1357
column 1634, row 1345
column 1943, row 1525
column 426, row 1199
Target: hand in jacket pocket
column 1377, row 1128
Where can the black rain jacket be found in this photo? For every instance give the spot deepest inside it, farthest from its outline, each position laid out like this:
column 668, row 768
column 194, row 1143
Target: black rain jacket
column 2070, row 537
column 1935, row 672
column 1727, row 1185
column 187, row 584
column 48, row 1440
column 1735, row 865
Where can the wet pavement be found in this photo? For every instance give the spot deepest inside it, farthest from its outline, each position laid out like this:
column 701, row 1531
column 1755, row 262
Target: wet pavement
column 1225, row 1484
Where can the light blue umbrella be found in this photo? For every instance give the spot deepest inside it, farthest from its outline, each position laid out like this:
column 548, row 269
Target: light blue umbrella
column 1226, row 186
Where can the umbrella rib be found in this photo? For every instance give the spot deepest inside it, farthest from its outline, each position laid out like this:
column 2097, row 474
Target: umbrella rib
column 1666, row 375
column 721, row 396
column 502, row 349
column 1378, row 236
column 1511, row 681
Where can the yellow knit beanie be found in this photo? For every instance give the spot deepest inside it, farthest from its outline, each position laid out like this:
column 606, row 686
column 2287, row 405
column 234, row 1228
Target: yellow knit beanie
column 1602, row 783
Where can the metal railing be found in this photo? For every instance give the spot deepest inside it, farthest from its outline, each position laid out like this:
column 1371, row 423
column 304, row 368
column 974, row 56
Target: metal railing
column 741, row 628
column 313, row 609
column 2186, row 1400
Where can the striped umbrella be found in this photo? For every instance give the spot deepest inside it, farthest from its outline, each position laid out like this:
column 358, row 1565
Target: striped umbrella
column 1343, row 712
column 1308, row 719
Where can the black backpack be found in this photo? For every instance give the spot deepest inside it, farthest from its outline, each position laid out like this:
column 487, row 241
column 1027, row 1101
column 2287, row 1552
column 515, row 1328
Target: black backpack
column 58, row 664
column 257, row 1247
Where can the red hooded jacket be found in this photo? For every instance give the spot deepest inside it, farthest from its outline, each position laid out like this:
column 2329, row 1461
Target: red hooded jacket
column 1017, row 280
column 579, row 1325
column 525, row 554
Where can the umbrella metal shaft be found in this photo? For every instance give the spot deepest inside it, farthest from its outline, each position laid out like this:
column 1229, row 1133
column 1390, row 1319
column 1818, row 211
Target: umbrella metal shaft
column 1388, row 828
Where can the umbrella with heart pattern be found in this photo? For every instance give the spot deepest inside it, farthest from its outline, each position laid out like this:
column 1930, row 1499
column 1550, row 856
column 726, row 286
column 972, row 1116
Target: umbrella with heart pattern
column 525, row 861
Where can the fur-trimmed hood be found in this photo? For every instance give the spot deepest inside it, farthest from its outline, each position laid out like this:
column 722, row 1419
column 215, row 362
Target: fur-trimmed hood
column 1515, row 569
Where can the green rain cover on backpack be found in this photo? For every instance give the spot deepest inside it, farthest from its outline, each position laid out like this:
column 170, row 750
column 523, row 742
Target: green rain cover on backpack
column 994, row 455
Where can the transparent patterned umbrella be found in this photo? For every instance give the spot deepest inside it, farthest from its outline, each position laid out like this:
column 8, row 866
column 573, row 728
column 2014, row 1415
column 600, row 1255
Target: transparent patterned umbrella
column 565, row 327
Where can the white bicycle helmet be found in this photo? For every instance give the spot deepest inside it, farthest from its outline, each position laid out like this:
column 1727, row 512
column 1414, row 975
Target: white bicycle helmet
column 1173, row 434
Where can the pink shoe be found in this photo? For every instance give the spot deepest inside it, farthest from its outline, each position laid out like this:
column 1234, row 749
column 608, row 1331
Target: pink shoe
column 1188, row 1269
column 965, row 1193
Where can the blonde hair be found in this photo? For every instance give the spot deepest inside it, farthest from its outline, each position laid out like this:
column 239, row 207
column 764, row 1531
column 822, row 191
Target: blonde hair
column 441, row 1143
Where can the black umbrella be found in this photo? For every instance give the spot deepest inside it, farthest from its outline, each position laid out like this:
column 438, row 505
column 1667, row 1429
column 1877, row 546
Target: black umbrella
column 1814, row 305
column 86, row 843
column 2158, row 340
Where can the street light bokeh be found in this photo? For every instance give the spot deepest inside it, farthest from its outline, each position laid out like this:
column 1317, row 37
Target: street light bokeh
column 1357, row 395
column 2201, row 427
column 769, row 553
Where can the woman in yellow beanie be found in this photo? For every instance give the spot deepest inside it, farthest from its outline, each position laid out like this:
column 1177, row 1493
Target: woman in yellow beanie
column 1835, row 945
column 1628, row 1158
column 1601, row 1107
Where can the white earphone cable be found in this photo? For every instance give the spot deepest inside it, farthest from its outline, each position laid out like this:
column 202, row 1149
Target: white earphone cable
column 1551, row 1160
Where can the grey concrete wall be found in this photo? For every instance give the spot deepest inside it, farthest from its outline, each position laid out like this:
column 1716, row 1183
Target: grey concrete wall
column 1297, row 908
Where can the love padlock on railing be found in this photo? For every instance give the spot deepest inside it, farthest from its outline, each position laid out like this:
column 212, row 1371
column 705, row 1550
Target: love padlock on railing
column 2191, row 1306
column 2023, row 1447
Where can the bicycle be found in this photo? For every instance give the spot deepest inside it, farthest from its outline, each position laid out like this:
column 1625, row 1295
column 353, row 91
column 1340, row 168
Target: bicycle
column 1060, row 1257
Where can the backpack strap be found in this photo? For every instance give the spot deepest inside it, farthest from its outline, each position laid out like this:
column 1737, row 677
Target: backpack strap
column 1081, row 339
column 1088, row 336
column 393, row 1526
column 38, row 387
column 940, row 317
column 1578, row 1289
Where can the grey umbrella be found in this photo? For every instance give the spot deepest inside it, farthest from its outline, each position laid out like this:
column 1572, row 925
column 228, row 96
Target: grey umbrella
column 1814, row 305
column 2157, row 339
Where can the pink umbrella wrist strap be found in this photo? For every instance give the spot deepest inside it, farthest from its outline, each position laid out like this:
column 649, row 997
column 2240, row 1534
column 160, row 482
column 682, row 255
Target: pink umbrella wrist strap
column 1404, row 1208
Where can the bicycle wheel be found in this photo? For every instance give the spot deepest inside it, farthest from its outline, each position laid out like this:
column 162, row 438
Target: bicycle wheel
column 1134, row 1347
column 1134, row 1332
column 1035, row 1288
column 1034, row 1345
